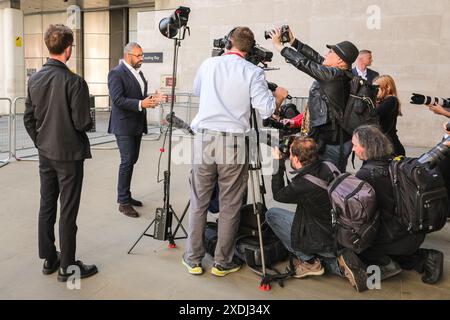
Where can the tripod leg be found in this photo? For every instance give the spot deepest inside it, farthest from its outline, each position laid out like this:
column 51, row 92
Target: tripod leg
column 143, row 234
column 181, row 219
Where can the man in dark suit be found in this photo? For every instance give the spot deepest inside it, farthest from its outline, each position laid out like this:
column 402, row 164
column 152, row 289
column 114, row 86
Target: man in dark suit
column 361, row 69
column 56, row 118
column 128, row 121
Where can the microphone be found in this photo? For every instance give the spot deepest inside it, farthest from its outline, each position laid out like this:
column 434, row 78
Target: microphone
column 273, row 86
column 179, row 124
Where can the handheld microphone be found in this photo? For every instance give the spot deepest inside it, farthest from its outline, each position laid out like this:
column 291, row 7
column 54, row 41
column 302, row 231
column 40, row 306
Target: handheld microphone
column 179, row 124
column 273, row 86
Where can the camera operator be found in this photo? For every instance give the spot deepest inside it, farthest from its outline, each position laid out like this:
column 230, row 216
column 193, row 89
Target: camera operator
column 328, row 94
column 308, row 233
column 228, row 87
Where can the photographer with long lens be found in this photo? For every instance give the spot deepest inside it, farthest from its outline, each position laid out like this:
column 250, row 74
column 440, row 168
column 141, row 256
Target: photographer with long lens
column 328, row 94
column 308, row 233
column 228, row 87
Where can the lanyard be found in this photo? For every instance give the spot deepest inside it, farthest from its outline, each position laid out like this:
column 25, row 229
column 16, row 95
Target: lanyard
column 236, row 53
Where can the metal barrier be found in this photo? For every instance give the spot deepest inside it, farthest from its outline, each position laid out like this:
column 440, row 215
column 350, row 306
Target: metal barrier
column 4, row 162
column 21, row 137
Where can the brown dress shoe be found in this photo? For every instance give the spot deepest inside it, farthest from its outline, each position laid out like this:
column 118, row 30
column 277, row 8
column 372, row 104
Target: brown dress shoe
column 128, row 210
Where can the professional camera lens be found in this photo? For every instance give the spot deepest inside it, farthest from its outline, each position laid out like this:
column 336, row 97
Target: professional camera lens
column 435, row 155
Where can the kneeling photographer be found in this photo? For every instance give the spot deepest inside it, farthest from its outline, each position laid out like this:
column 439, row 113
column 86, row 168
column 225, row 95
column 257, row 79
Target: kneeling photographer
column 308, row 233
column 395, row 247
column 328, row 94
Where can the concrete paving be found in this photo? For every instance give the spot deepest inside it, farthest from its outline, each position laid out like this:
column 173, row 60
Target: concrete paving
column 152, row 271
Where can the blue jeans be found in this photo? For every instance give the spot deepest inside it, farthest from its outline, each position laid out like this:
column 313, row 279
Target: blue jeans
column 331, row 154
column 280, row 221
column 129, row 147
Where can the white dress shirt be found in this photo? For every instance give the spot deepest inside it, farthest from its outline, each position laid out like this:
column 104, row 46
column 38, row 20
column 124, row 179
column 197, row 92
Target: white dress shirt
column 361, row 73
column 138, row 78
column 228, row 86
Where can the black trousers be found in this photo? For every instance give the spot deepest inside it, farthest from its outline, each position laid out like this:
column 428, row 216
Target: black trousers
column 404, row 251
column 62, row 179
column 129, row 147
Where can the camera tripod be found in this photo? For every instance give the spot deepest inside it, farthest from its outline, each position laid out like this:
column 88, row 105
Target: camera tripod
column 163, row 216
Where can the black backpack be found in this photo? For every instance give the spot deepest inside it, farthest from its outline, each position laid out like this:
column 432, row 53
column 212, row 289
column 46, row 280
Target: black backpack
column 421, row 199
column 361, row 108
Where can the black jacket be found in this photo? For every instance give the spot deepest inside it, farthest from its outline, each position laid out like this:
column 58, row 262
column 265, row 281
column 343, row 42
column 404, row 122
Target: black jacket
column 312, row 230
column 57, row 113
column 371, row 74
column 376, row 173
column 125, row 92
column 330, row 90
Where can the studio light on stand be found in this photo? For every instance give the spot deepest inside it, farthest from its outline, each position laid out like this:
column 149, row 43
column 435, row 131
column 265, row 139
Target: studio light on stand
column 173, row 27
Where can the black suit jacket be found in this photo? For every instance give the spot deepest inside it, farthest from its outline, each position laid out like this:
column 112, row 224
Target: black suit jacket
column 125, row 93
column 371, row 74
column 57, row 113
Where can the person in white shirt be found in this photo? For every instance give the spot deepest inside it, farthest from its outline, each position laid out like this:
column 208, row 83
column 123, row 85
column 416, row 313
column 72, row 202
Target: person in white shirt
column 364, row 60
column 228, row 86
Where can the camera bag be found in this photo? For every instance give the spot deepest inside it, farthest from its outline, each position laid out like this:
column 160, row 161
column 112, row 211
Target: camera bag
column 354, row 211
column 420, row 194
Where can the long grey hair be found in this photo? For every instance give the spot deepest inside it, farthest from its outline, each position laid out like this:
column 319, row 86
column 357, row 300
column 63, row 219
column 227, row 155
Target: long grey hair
column 375, row 143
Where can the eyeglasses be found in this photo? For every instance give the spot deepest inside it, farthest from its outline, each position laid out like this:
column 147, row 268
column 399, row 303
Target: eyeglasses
column 136, row 55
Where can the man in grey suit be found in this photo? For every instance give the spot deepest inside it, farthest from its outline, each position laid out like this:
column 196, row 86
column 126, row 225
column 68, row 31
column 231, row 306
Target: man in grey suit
column 361, row 69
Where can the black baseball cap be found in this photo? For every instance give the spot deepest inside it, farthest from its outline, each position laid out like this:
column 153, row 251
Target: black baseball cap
column 346, row 50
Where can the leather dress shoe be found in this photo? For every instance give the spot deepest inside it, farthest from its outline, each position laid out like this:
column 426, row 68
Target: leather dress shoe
column 135, row 203
column 51, row 265
column 128, row 210
column 85, row 271
column 433, row 265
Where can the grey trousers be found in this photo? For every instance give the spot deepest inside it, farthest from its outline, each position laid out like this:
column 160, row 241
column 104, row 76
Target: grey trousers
column 216, row 158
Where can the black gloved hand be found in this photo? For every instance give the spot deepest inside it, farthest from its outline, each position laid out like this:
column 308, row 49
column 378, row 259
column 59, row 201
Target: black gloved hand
column 417, row 99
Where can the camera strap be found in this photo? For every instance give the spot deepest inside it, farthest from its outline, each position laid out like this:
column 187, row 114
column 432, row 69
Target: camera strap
column 235, row 53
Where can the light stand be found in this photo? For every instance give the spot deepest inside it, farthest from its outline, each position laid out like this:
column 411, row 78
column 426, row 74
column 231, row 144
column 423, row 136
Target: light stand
column 164, row 216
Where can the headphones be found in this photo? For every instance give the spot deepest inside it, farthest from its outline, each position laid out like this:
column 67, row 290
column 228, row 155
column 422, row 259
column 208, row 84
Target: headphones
column 228, row 43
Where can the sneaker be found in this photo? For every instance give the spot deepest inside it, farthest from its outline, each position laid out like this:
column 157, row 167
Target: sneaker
column 193, row 268
column 354, row 270
column 304, row 269
column 221, row 271
column 390, row 270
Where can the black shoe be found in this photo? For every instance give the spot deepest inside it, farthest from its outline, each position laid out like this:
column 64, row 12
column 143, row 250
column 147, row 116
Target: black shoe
column 390, row 270
column 85, row 271
column 353, row 269
column 51, row 265
column 128, row 210
column 135, row 203
column 433, row 266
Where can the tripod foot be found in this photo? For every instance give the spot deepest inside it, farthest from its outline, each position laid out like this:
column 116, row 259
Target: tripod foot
column 172, row 245
column 264, row 287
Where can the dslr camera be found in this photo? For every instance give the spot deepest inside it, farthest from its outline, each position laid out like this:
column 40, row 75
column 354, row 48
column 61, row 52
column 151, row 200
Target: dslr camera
column 284, row 34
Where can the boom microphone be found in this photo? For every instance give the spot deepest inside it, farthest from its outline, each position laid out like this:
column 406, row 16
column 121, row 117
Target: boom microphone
column 179, row 124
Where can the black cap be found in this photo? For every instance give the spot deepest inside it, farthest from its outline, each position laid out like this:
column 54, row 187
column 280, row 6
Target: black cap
column 346, row 50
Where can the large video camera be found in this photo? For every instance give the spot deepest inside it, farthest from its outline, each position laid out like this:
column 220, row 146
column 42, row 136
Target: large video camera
column 258, row 55
column 438, row 153
column 427, row 100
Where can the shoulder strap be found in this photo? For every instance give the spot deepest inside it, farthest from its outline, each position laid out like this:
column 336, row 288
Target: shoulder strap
column 318, row 182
